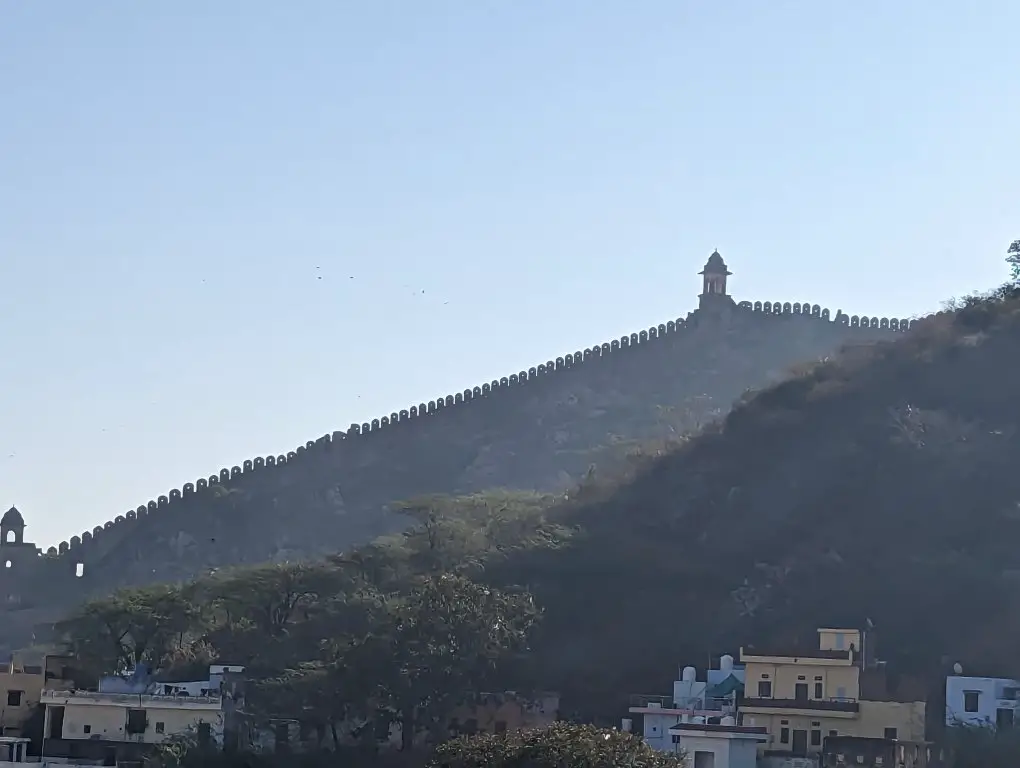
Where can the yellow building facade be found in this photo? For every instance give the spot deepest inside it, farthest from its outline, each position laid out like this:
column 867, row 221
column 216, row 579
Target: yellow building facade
column 21, row 685
column 804, row 696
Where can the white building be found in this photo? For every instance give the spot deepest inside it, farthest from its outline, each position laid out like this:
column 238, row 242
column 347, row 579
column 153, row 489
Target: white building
column 712, row 700
column 726, row 745
column 985, row 701
column 129, row 714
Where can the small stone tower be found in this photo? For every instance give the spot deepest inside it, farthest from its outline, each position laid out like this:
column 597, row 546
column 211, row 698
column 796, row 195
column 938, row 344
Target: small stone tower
column 713, row 290
column 12, row 527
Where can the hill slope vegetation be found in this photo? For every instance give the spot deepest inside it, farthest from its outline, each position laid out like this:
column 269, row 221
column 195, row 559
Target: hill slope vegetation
column 879, row 485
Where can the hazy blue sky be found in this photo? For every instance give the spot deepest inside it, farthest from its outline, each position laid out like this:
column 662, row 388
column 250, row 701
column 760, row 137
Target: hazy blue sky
column 480, row 186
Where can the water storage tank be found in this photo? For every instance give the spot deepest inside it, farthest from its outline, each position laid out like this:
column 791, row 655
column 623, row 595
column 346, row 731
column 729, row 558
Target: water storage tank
column 726, row 663
column 727, row 721
column 699, row 720
column 689, row 675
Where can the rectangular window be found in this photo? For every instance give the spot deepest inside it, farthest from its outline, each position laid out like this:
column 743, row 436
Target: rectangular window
column 160, row 727
column 802, row 677
column 784, row 735
column 816, row 737
column 14, row 698
column 86, row 729
column 834, row 734
column 818, row 690
column 971, row 700
column 764, row 689
column 889, row 733
column 1004, row 718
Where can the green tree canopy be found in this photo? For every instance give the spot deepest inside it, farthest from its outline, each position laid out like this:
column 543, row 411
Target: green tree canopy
column 561, row 746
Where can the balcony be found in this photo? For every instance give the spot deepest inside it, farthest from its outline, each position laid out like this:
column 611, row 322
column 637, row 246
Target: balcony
column 795, row 656
column 708, row 705
column 140, row 700
column 820, row 705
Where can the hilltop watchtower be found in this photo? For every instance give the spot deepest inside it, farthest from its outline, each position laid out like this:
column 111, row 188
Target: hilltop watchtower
column 713, row 288
column 12, row 527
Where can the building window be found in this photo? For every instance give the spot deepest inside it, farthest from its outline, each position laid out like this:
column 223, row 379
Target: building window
column 500, row 726
column 136, row 721
column 764, row 689
column 834, row 734
column 818, row 690
column 801, row 677
column 784, row 735
column 86, row 729
column 889, row 733
column 1007, row 693
column 970, row 701
column 1004, row 718
column 14, row 698
column 816, row 737
column 160, row 727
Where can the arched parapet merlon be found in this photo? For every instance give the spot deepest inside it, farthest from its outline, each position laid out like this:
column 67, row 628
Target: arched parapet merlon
column 142, row 511
column 291, row 456
column 51, row 551
column 235, row 472
column 86, row 538
column 405, row 415
column 201, row 484
column 130, row 515
column 76, row 540
column 375, row 424
column 153, row 506
column 63, row 548
column 96, row 532
column 224, row 475
column 189, row 488
column 120, row 519
column 162, row 502
column 282, row 459
column 247, row 465
column 175, row 495
column 107, row 525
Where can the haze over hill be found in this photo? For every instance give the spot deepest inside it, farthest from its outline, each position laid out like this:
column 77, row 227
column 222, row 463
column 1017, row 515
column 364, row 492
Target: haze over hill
column 875, row 488
column 540, row 429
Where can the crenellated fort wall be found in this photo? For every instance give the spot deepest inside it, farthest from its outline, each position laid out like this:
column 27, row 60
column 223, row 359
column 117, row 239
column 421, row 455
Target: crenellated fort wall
column 320, row 477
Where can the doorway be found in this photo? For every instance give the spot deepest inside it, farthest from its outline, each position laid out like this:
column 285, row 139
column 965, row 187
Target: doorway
column 704, row 759
column 800, row 743
column 800, row 691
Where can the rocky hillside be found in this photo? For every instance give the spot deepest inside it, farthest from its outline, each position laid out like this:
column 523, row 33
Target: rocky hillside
column 542, row 434
column 878, row 485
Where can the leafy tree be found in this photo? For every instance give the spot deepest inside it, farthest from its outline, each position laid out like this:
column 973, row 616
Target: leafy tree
column 1013, row 259
column 129, row 628
column 563, row 745
column 444, row 639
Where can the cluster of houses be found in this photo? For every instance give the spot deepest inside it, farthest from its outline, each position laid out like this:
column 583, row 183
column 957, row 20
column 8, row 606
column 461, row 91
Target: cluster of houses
column 828, row 705
column 126, row 717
